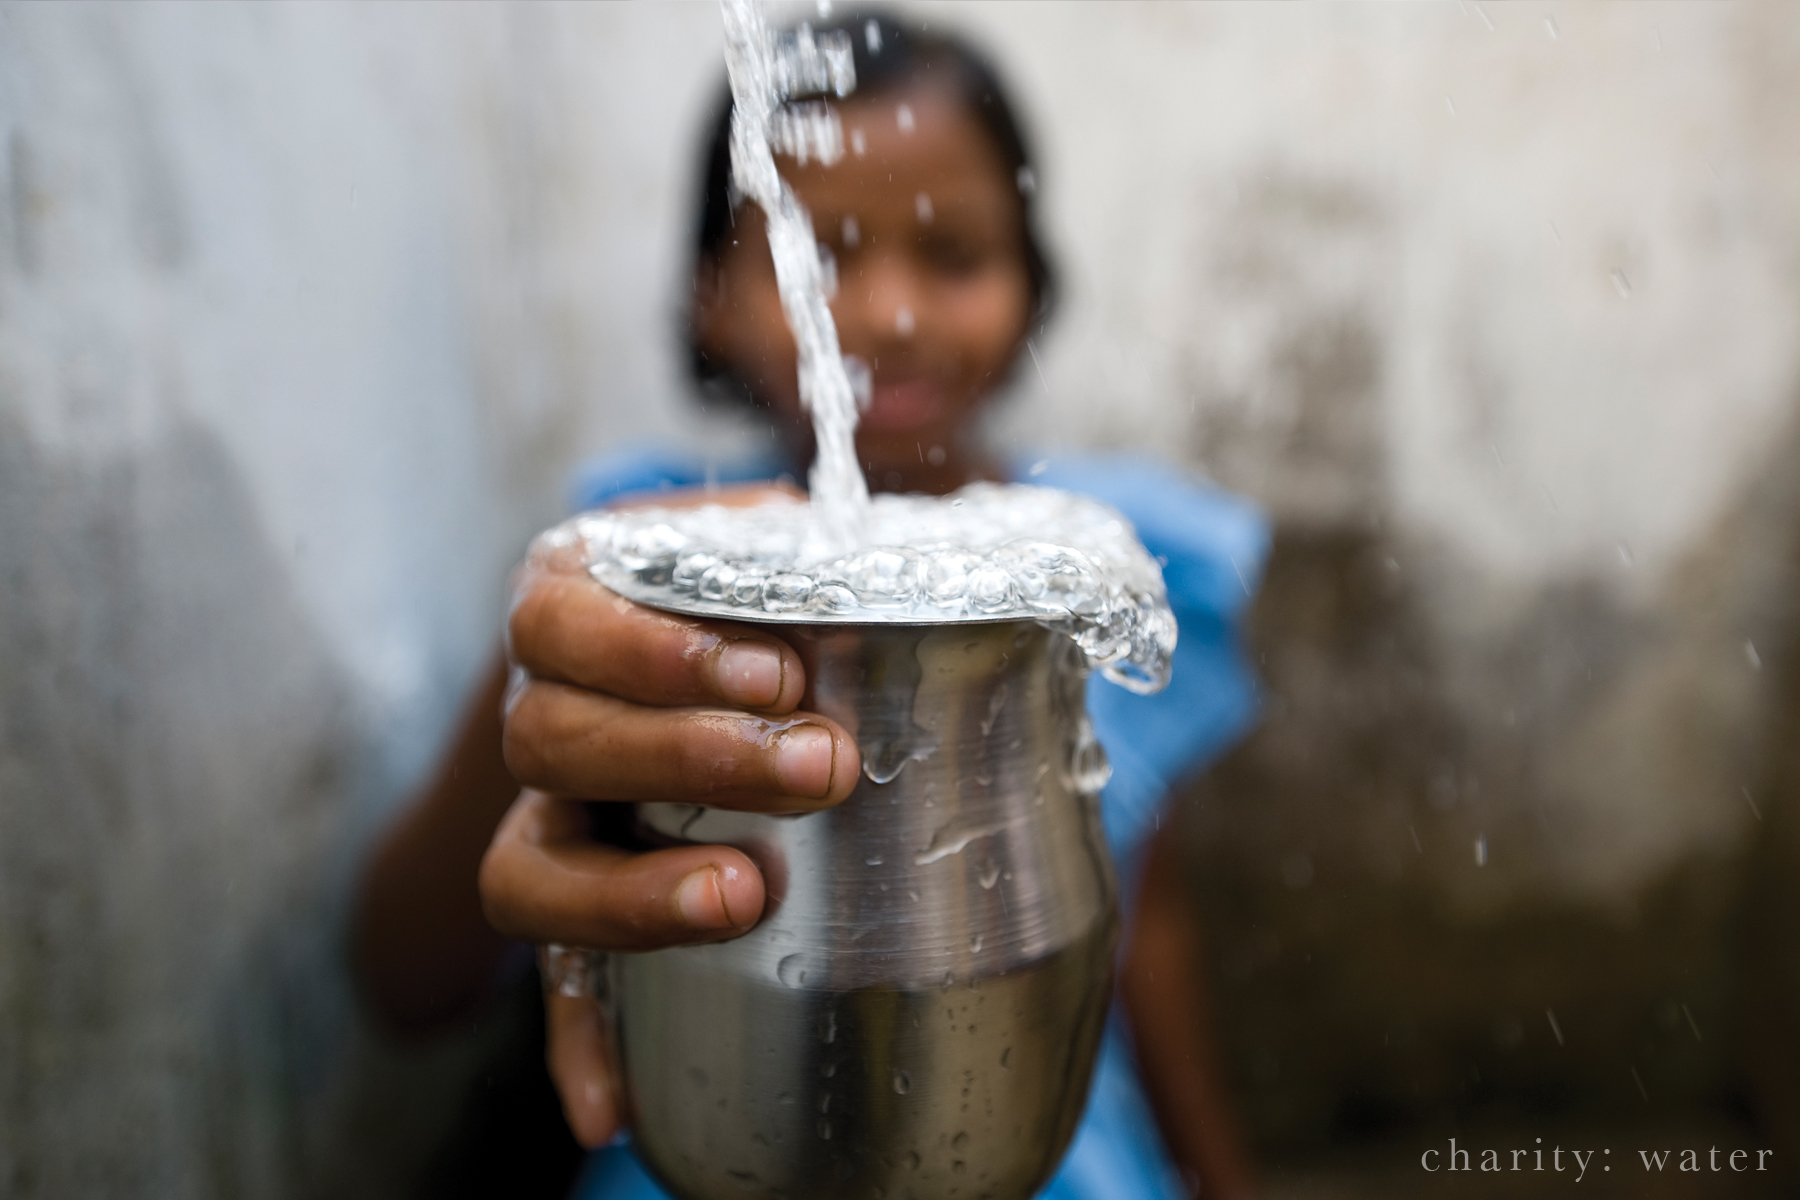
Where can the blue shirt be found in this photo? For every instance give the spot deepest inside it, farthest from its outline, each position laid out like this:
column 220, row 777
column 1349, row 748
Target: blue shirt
column 1212, row 546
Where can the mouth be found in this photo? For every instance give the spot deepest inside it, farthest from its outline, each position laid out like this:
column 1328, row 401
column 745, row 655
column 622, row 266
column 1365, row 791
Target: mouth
column 902, row 404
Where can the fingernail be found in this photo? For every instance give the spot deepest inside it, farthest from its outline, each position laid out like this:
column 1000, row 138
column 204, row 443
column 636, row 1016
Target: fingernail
column 749, row 673
column 700, row 902
column 803, row 760
column 733, row 881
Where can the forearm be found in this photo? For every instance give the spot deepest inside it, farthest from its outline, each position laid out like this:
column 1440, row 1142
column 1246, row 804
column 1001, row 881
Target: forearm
column 423, row 951
column 1164, row 989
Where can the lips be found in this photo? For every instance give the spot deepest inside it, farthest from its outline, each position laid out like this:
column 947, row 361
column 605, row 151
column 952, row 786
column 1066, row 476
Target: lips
column 902, row 404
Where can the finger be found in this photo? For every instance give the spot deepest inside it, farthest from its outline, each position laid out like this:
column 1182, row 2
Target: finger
column 566, row 627
column 572, row 742
column 543, row 881
column 579, row 1054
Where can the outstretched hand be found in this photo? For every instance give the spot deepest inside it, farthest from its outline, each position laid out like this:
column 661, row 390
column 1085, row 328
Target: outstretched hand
column 613, row 701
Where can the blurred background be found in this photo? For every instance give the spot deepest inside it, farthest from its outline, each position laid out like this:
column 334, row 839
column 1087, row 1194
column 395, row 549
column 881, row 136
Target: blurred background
column 306, row 311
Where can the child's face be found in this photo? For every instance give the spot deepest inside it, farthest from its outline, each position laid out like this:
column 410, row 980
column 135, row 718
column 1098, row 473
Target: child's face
column 933, row 292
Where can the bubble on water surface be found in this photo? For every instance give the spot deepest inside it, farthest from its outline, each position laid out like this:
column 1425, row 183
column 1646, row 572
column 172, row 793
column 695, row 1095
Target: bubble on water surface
column 988, row 552
column 787, row 592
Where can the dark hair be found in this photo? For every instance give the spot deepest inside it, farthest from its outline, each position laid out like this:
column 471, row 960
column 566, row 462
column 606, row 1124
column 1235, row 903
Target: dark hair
column 891, row 55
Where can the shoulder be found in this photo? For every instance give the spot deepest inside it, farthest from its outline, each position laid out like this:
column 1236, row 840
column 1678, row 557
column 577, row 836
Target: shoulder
column 1212, row 542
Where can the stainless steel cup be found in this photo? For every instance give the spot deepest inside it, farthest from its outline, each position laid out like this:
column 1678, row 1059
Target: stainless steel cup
column 918, row 1013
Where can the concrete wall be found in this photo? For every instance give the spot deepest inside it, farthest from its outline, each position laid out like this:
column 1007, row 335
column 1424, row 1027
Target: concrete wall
column 306, row 310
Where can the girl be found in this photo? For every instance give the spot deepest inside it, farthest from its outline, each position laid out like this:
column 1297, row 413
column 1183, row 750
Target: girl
column 941, row 278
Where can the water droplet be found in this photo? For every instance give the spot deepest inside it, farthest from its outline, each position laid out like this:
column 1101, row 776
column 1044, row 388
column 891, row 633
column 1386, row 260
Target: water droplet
column 748, row 590
column 874, row 860
column 872, row 36
column 832, row 597
column 1481, row 851
column 786, row 592
column 990, row 588
column 1550, row 27
column 960, row 1142
column 903, row 322
column 949, row 980
column 717, row 583
column 947, row 578
column 651, row 550
column 1751, row 656
column 913, row 895
column 990, row 875
column 1006, row 1059
column 975, row 944
column 1622, row 283
column 912, row 1159
column 687, row 573
column 883, row 577
column 828, row 1026
column 922, row 208
column 902, row 1082
column 903, row 115
column 791, row 970
column 995, row 704
column 824, row 1129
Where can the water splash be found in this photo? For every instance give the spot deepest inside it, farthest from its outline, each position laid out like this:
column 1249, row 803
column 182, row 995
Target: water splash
column 766, row 72
column 993, row 552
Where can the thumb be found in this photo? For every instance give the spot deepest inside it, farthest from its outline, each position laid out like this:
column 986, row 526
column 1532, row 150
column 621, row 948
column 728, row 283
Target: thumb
column 579, row 1054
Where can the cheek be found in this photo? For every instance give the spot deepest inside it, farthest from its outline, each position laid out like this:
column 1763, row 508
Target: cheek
column 761, row 345
column 986, row 319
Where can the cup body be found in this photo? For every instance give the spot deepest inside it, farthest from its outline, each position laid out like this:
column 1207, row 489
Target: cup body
column 919, row 1010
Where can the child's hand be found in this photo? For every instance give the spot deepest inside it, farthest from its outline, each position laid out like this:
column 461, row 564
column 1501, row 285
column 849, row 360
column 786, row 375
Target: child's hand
column 625, row 703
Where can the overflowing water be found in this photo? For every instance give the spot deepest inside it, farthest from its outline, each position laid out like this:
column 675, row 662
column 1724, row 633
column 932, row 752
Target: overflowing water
column 991, row 552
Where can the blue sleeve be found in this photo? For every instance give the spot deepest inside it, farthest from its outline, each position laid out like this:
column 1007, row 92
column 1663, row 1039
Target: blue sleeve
column 621, row 472
column 650, row 469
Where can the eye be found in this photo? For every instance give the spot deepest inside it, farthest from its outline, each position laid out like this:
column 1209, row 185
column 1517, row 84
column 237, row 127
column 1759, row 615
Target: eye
column 952, row 254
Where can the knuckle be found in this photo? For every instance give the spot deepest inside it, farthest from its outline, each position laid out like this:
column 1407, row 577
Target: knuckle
column 523, row 620
column 711, row 756
column 521, row 738
column 494, row 883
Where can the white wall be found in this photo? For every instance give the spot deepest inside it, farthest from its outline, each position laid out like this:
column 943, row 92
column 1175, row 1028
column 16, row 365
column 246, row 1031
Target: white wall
column 305, row 310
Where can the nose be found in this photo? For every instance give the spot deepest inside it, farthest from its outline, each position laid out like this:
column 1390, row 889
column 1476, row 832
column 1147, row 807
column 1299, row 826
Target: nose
column 878, row 307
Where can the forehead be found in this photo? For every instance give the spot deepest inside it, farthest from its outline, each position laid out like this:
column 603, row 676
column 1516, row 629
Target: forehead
column 914, row 140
